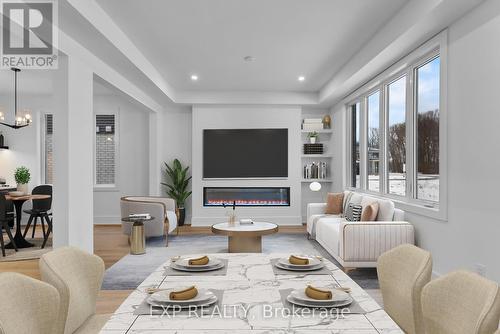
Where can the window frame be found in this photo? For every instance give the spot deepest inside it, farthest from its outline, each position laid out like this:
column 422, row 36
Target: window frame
column 115, row 187
column 435, row 47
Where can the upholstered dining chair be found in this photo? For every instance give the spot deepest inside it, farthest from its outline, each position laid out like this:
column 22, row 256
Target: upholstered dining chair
column 40, row 210
column 162, row 208
column 5, row 218
column 27, row 305
column 403, row 272
column 461, row 302
column 77, row 276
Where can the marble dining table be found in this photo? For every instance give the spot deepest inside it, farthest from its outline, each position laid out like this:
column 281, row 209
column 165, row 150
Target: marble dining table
column 251, row 303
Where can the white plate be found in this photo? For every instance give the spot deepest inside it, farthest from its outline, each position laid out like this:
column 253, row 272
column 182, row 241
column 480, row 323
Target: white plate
column 312, row 262
column 299, row 268
column 319, row 305
column 184, row 262
column 206, row 303
column 163, row 296
column 196, row 269
column 337, row 296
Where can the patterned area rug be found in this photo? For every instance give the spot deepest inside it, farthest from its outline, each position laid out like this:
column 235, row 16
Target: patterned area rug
column 131, row 270
column 27, row 253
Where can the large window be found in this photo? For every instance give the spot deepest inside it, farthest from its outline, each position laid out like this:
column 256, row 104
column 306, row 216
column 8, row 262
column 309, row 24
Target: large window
column 47, row 148
column 355, row 110
column 427, row 81
column 394, row 134
column 373, row 152
column 105, row 151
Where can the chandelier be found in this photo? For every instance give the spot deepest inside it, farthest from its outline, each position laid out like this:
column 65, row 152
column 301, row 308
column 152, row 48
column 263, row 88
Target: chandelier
column 19, row 122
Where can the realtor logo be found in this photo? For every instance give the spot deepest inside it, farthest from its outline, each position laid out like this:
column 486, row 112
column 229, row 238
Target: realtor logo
column 29, row 34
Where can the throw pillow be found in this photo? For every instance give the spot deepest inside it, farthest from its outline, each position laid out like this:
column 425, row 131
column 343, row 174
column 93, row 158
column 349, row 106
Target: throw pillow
column 353, row 213
column 369, row 213
column 347, row 200
column 334, row 203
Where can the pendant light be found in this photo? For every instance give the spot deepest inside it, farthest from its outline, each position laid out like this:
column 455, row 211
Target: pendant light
column 19, row 122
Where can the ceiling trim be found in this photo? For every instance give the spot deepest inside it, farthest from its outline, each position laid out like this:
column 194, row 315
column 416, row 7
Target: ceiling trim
column 417, row 22
column 96, row 16
column 246, row 97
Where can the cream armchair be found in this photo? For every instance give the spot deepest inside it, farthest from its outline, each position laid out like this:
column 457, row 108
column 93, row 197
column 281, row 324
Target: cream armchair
column 77, row 276
column 461, row 302
column 162, row 208
column 27, row 306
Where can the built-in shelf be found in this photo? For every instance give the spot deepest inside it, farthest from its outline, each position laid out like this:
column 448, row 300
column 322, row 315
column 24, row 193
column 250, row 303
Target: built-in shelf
column 326, row 156
column 4, row 147
column 317, row 180
column 318, row 131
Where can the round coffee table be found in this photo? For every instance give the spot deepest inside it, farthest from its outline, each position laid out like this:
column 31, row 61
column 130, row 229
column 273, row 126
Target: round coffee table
column 245, row 238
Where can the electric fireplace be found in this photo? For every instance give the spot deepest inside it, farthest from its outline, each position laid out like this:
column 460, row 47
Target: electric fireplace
column 246, row 196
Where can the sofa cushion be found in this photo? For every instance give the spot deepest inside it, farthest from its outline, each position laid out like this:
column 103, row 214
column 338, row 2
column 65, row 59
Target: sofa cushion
column 369, row 212
column 328, row 232
column 385, row 210
column 385, row 207
column 334, row 203
column 353, row 213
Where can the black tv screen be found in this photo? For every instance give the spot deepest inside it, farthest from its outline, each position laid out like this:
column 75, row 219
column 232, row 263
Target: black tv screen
column 245, row 153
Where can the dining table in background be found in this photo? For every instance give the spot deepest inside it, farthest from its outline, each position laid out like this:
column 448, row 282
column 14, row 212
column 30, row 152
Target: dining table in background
column 18, row 201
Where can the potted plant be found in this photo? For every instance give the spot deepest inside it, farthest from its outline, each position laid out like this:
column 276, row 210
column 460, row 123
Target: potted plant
column 312, row 137
column 177, row 184
column 22, row 177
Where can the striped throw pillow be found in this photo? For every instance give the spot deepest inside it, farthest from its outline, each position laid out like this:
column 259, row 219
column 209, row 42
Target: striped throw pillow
column 353, row 213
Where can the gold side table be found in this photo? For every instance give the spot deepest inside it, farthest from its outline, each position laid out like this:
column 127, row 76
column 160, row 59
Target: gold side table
column 137, row 237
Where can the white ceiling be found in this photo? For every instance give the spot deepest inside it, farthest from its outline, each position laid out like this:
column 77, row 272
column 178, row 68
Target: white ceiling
column 288, row 38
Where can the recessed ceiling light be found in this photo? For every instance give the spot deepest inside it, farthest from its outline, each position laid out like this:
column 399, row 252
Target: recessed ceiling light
column 249, row 59
column 194, row 77
column 301, row 78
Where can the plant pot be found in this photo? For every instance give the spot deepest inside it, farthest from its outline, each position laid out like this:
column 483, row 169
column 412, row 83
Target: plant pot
column 181, row 216
column 23, row 188
column 312, row 140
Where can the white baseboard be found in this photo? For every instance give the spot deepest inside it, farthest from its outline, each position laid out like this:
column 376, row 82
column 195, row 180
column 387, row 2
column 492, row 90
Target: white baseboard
column 107, row 220
column 280, row 220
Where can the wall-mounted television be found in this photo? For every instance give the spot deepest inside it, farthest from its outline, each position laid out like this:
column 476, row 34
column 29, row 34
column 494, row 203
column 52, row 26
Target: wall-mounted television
column 245, row 153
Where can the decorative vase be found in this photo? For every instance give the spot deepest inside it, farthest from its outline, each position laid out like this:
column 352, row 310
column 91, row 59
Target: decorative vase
column 181, row 216
column 23, row 188
column 312, row 140
column 327, row 122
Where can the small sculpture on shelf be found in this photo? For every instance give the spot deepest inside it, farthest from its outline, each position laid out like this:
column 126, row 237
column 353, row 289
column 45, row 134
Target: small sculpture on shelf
column 327, row 122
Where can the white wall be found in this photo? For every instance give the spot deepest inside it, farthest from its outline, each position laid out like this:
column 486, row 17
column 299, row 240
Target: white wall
column 24, row 144
column 470, row 234
column 133, row 165
column 175, row 137
column 234, row 117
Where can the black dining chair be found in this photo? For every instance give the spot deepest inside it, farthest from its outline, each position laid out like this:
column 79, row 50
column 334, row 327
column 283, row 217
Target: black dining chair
column 41, row 209
column 5, row 218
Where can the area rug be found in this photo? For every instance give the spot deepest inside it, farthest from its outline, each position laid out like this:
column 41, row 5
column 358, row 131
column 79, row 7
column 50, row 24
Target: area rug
column 131, row 270
column 30, row 253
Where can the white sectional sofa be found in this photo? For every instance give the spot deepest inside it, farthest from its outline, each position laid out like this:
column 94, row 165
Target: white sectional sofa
column 359, row 244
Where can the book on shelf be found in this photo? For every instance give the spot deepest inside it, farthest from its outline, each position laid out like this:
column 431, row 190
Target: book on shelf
column 312, row 126
column 313, row 148
column 313, row 120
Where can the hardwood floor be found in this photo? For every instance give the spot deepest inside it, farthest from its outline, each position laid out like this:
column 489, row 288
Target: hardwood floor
column 111, row 245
